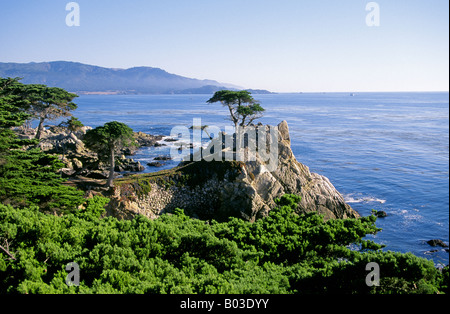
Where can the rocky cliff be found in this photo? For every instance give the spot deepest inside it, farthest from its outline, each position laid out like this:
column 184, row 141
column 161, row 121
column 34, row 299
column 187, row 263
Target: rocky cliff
column 220, row 189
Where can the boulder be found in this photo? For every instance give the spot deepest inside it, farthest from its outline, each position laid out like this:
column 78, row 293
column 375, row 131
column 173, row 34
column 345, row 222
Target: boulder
column 129, row 165
column 164, row 158
column 142, row 140
column 171, row 140
column 379, row 213
column 46, row 146
column 155, row 164
column 97, row 174
column 77, row 164
column 146, row 140
column 67, row 172
column 437, row 242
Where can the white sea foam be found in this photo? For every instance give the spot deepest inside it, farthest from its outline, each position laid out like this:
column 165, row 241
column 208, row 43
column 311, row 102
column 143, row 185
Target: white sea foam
column 409, row 216
column 170, row 141
column 362, row 199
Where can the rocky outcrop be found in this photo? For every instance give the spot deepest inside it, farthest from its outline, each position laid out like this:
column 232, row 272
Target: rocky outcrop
column 143, row 140
column 318, row 193
column 220, row 189
column 437, row 242
column 77, row 159
column 69, row 148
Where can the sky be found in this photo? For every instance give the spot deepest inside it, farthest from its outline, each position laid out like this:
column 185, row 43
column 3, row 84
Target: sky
column 278, row 45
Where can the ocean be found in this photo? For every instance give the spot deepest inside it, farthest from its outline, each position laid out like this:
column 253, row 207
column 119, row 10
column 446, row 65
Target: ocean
column 382, row 151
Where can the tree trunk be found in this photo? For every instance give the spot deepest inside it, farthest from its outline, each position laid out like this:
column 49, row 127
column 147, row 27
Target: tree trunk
column 112, row 167
column 40, row 128
column 243, row 121
column 233, row 118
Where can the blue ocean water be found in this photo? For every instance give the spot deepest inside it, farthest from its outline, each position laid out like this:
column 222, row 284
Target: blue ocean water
column 383, row 151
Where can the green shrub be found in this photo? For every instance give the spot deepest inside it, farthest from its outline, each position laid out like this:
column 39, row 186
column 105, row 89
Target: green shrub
column 282, row 253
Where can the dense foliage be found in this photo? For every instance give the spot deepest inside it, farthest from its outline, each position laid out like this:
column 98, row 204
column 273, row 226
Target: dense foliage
column 28, row 176
column 282, row 253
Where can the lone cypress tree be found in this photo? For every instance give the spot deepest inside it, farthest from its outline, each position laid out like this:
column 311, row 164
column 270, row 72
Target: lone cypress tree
column 107, row 140
column 244, row 109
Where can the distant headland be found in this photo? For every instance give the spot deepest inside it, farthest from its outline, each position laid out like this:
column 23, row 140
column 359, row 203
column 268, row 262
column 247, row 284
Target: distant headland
column 84, row 79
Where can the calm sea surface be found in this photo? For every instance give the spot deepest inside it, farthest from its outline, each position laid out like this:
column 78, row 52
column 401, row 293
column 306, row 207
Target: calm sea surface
column 383, row 151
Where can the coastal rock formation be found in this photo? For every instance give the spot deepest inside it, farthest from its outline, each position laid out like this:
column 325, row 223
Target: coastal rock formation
column 143, row 140
column 77, row 159
column 221, row 189
column 437, row 242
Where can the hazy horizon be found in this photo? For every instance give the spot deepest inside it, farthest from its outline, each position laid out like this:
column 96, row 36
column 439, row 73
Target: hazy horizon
column 296, row 46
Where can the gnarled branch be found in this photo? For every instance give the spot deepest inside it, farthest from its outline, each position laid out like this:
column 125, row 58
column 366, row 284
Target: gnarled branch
column 6, row 250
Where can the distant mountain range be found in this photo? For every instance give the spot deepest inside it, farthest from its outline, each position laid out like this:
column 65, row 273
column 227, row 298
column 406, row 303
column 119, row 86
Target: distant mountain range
column 88, row 79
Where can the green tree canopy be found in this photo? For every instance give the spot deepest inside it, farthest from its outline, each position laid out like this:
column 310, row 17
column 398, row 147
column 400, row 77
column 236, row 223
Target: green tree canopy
column 49, row 103
column 73, row 124
column 244, row 109
column 107, row 140
column 12, row 114
column 39, row 101
column 13, row 103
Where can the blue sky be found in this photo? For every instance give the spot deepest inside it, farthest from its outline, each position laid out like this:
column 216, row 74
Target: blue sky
column 283, row 45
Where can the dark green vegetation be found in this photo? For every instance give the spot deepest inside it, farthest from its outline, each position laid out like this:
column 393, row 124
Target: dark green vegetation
column 27, row 175
column 282, row 253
